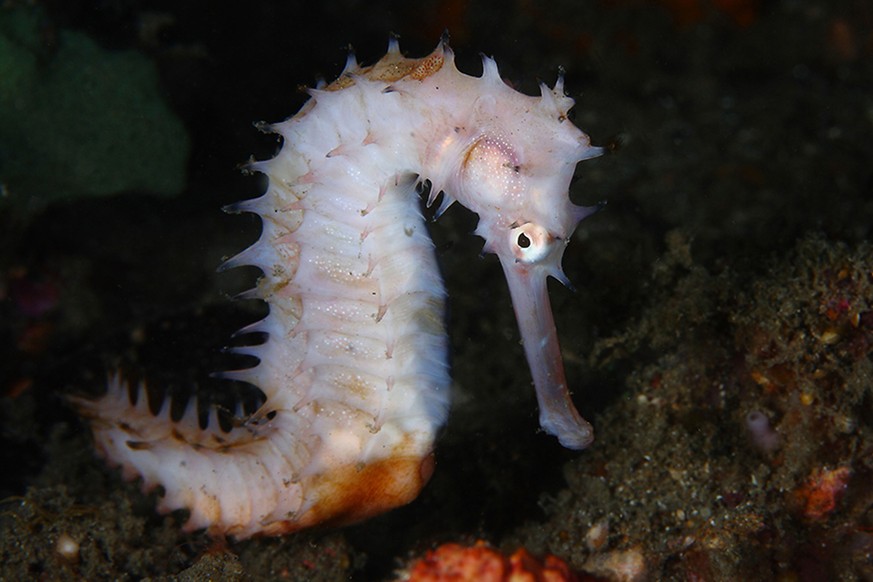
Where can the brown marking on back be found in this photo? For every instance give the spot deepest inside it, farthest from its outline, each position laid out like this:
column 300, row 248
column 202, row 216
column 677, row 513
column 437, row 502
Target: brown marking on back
column 392, row 68
column 340, row 82
column 427, row 67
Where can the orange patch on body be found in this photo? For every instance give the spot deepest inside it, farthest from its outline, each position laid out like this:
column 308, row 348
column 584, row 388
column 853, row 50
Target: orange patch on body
column 427, row 67
column 354, row 493
column 393, row 68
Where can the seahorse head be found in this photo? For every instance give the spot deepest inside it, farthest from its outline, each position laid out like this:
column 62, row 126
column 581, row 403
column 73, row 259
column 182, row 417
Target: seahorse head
column 511, row 161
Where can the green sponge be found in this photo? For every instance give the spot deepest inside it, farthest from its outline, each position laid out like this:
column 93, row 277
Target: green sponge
column 77, row 120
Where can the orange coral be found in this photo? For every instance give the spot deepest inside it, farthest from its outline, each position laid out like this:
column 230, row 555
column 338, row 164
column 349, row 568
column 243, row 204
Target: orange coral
column 818, row 497
column 457, row 563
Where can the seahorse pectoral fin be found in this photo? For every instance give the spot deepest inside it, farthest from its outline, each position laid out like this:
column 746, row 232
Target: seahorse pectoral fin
column 530, row 300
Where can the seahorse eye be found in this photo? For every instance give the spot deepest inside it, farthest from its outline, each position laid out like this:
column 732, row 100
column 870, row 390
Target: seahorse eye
column 530, row 242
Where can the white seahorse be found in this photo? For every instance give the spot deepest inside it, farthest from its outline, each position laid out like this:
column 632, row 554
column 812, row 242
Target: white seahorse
column 355, row 369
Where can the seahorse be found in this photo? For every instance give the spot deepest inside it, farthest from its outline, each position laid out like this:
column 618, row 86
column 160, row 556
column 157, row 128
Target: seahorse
column 355, row 368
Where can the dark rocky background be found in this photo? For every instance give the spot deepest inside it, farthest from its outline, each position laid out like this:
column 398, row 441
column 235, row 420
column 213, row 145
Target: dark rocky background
column 729, row 280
